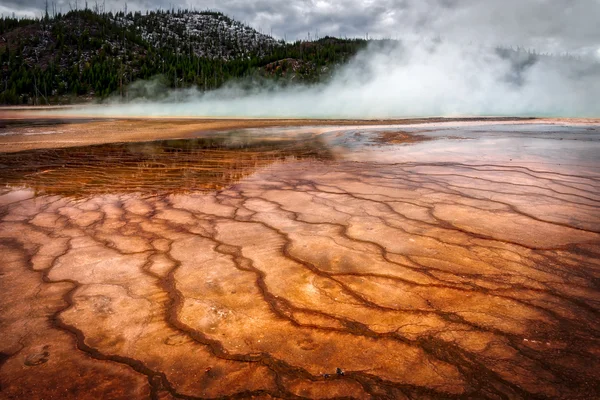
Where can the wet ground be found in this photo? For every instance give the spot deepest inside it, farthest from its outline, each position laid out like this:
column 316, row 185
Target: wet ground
column 449, row 260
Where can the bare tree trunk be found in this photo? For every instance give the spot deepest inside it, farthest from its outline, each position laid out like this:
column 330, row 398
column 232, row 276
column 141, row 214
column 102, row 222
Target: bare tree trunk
column 35, row 91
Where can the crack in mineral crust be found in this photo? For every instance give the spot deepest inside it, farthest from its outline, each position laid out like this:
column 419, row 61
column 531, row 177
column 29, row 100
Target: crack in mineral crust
column 416, row 280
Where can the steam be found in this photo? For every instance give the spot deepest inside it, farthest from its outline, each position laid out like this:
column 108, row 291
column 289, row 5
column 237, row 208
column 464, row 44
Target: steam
column 392, row 80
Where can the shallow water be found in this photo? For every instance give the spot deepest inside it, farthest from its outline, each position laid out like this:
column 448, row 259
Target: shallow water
column 162, row 166
column 389, row 262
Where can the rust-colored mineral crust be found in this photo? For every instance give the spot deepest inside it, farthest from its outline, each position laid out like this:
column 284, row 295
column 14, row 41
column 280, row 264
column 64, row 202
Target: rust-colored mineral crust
column 289, row 267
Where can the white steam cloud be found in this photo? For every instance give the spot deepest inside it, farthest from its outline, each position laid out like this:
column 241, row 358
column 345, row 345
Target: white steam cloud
column 429, row 78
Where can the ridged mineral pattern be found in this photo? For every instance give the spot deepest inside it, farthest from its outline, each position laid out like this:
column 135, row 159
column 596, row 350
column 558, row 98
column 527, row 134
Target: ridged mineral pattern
column 297, row 274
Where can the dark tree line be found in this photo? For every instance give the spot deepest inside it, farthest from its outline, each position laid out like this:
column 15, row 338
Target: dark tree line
column 85, row 53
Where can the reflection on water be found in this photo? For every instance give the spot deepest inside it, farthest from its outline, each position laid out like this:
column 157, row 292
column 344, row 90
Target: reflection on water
column 221, row 159
column 9, row 127
column 152, row 167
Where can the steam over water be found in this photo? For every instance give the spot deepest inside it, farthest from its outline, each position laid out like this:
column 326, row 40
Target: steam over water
column 390, row 79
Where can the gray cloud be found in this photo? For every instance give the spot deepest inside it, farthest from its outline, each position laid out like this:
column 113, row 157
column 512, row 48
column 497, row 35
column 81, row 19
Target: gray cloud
column 547, row 25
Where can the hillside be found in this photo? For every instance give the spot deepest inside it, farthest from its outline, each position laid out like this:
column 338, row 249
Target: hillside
column 207, row 34
column 69, row 54
column 84, row 55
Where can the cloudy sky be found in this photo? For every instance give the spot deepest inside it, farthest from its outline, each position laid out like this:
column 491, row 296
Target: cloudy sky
column 547, row 25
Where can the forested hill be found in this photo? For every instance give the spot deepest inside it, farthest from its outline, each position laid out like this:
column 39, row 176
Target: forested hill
column 85, row 54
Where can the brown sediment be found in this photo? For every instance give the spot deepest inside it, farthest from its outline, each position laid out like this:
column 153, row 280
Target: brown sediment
column 310, row 278
column 29, row 128
column 23, row 131
column 26, row 130
column 400, row 137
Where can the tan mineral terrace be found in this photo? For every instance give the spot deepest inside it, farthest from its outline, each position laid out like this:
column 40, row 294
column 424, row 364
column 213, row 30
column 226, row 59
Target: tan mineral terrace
column 394, row 260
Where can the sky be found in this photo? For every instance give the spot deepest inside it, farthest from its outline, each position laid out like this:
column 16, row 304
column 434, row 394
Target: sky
column 555, row 26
